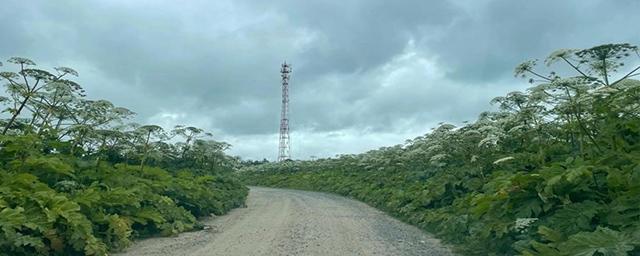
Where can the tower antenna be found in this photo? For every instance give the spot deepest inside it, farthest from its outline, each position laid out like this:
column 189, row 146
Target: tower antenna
column 284, row 150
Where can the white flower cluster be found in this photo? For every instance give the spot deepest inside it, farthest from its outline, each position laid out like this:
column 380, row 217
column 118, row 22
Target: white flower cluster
column 523, row 223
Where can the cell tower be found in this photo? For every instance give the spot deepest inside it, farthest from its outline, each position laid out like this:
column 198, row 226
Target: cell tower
column 284, row 151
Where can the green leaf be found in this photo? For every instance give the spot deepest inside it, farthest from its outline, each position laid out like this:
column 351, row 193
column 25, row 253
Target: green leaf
column 550, row 234
column 573, row 218
column 529, row 208
column 605, row 241
column 148, row 214
column 12, row 218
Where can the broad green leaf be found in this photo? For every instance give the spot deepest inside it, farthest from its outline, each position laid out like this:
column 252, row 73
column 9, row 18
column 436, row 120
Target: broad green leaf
column 604, row 241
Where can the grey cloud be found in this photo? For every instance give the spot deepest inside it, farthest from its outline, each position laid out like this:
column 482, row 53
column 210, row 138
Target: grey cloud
column 358, row 65
column 359, row 34
column 487, row 43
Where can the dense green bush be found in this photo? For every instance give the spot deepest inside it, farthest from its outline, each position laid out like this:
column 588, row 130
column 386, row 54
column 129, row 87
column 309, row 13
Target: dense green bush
column 556, row 171
column 68, row 206
column 76, row 180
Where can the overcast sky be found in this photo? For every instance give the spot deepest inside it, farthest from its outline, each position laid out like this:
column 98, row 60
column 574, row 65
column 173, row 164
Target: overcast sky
column 366, row 73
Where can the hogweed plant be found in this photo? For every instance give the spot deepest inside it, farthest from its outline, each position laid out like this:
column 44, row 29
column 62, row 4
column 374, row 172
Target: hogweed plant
column 77, row 179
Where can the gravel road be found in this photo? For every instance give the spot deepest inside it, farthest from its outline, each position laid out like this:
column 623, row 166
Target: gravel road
column 292, row 222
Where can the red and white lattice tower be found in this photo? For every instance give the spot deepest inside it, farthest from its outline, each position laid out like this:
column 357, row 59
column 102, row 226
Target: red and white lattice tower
column 284, row 150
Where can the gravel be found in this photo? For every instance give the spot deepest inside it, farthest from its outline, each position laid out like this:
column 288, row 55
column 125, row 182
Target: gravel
column 293, row 222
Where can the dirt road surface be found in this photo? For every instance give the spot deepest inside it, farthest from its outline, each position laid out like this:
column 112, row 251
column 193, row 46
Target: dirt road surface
column 292, row 222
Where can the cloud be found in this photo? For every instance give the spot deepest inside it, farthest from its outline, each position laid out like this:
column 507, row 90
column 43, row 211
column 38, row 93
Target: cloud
column 492, row 36
column 367, row 73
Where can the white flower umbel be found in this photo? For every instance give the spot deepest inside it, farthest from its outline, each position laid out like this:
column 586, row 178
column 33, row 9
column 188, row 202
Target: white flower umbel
column 523, row 223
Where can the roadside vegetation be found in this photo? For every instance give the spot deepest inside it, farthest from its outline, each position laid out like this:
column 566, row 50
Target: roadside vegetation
column 77, row 179
column 554, row 171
